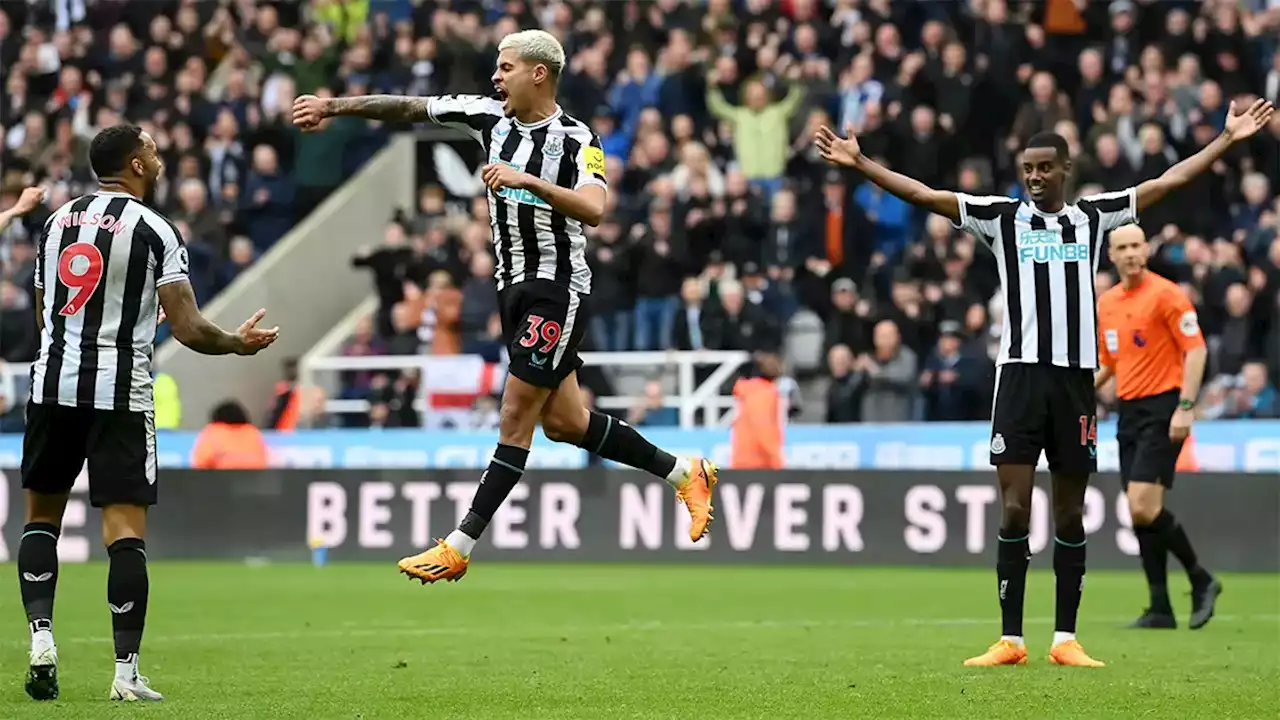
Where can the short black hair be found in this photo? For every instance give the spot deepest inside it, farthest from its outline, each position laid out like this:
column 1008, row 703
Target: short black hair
column 229, row 412
column 112, row 148
column 1050, row 140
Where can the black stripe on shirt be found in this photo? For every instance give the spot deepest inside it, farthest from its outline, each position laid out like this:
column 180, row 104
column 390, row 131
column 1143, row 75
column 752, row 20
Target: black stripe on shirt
column 1013, row 283
column 58, row 321
column 499, row 204
column 527, row 214
column 146, row 245
column 1074, row 281
column 1044, row 302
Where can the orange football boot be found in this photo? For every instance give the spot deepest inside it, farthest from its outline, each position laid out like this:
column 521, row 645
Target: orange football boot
column 441, row 562
column 1070, row 653
column 695, row 493
column 1004, row 652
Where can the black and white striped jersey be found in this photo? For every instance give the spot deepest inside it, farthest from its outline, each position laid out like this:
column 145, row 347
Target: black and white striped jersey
column 1047, row 262
column 531, row 240
column 99, row 262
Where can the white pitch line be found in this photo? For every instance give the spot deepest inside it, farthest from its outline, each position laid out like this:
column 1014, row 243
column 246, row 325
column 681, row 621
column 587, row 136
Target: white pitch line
column 645, row 626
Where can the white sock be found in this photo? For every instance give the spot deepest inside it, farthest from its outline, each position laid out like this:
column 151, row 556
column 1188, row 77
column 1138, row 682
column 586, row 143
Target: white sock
column 1015, row 639
column 41, row 640
column 678, row 473
column 461, row 542
column 1061, row 637
column 127, row 669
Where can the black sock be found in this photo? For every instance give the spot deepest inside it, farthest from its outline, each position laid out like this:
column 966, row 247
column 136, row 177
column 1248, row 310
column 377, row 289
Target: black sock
column 1155, row 563
column 1068, row 566
column 1175, row 539
column 615, row 440
column 127, row 588
column 38, row 573
column 495, row 485
column 1013, row 557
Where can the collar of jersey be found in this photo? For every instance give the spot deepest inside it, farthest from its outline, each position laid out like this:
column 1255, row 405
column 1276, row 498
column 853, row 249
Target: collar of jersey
column 114, row 193
column 1042, row 213
column 541, row 123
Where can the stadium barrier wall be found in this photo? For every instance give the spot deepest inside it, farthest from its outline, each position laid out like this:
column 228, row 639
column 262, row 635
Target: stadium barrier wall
column 808, row 517
column 1224, row 446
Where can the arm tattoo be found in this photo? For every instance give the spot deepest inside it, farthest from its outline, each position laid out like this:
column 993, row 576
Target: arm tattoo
column 388, row 108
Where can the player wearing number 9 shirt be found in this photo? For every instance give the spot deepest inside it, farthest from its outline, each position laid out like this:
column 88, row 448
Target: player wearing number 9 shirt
column 546, row 181
column 103, row 264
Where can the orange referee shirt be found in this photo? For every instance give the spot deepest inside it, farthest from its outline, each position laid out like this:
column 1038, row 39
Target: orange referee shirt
column 1144, row 333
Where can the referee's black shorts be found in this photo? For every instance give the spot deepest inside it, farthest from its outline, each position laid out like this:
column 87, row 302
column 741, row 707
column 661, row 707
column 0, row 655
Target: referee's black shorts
column 1045, row 408
column 1146, row 452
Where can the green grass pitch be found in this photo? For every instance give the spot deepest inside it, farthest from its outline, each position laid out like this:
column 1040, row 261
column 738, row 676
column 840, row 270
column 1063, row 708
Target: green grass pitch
column 588, row 641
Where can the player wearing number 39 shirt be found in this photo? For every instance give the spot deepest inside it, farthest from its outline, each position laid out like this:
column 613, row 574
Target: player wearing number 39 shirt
column 546, row 181
column 105, row 264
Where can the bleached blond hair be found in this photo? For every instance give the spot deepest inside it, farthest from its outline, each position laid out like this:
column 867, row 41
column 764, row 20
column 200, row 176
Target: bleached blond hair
column 538, row 47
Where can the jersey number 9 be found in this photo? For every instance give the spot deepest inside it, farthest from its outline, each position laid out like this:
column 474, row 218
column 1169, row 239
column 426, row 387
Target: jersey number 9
column 80, row 270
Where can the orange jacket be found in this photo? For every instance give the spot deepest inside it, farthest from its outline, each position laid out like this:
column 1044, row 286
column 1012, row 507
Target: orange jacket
column 220, row 446
column 757, row 435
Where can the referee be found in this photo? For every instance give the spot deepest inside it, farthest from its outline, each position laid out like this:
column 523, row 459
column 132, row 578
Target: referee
column 1150, row 341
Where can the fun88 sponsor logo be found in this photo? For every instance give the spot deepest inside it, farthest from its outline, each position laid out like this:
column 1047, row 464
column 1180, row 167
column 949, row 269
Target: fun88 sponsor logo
column 1046, row 246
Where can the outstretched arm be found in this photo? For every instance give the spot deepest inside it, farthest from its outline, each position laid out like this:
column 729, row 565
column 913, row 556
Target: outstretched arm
column 1238, row 127
column 847, row 152
column 387, row 108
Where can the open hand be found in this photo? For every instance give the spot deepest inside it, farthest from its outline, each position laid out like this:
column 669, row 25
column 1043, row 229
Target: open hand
column 254, row 338
column 29, row 200
column 1250, row 121
column 837, row 150
column 308, row 111
column 497, row 176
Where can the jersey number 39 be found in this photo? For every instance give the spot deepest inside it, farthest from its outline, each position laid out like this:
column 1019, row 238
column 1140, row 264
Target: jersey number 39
column 80, row 269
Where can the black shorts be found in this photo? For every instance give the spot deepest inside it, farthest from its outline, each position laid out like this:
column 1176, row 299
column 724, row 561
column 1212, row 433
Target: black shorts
column 543, row 324
column 119, row 445
column 1047, row 408
column 1146, row 452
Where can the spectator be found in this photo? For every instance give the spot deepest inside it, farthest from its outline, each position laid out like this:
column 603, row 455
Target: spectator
column 18, row 341
column 660, row 266
column 844, row 394
column 649, row 410
column 229, row 441
column 952, row 383
column 759, row 129
column 268, row 200
column 890, row 376
column 1254, row 396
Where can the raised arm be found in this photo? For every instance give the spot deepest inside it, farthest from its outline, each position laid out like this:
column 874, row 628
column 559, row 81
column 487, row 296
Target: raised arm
column 309, row 110
column 1238, row 127
column 27, row 201
column 473, row 114
column 847, row 152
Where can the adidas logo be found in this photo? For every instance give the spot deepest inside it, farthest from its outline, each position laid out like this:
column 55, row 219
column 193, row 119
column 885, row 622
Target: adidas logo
column 122, row 609
column 42, row 577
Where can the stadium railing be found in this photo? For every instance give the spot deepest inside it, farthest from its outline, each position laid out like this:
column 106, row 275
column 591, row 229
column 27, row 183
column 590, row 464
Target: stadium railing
column 699, row 403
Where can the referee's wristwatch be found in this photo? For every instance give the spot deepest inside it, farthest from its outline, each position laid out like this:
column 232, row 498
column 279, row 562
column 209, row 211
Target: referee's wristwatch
column 1186, row 404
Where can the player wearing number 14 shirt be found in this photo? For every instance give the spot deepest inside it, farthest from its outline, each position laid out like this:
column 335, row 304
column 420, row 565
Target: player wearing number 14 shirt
column 546, row 180
column 1046, row 251
column 105, row 263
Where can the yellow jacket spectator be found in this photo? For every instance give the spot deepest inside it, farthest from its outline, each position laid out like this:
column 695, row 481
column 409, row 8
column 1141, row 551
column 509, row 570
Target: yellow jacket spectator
column 168, row 402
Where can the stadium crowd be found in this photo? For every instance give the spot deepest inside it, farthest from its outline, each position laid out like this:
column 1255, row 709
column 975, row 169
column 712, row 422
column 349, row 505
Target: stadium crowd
column 725, row 228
